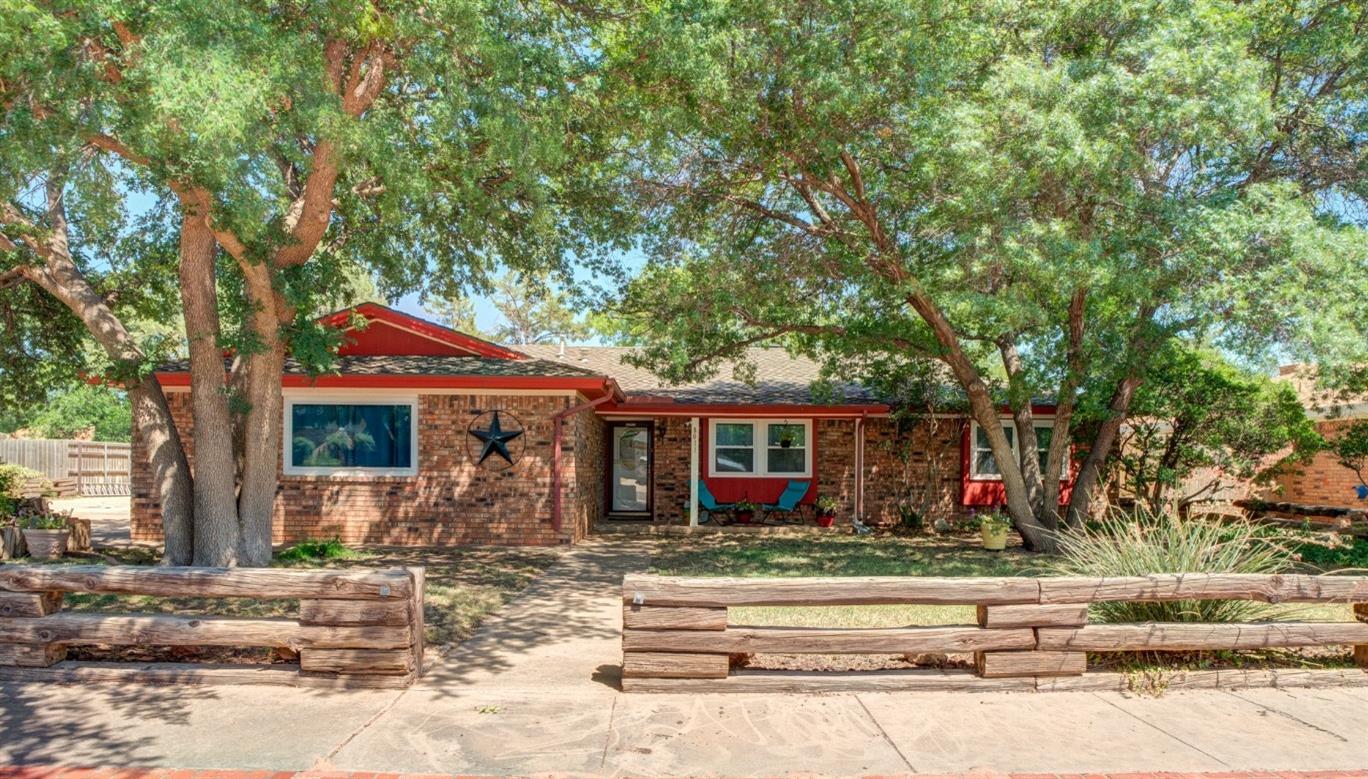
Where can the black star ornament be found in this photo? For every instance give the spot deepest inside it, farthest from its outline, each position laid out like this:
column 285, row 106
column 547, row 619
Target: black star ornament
column 495, row 440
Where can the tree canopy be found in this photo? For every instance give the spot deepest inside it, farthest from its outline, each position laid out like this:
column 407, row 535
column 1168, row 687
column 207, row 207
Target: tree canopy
column 285, row 146
column 1045, row 193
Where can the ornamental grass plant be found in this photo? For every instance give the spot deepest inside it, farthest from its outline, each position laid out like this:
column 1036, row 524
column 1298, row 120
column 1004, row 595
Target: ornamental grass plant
column 1141, row 543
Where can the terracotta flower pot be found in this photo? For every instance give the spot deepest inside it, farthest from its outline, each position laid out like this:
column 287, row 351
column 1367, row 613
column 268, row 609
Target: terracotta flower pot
column 826, row 520
column 47, row 544
column 744, row 517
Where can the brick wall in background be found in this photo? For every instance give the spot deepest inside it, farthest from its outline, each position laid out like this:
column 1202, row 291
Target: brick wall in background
column 450, row 501
column 1321, row 482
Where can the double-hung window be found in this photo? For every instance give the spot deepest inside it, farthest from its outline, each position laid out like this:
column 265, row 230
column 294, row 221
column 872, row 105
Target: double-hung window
column 982, row 463
column 334, row 437
column 759, row 447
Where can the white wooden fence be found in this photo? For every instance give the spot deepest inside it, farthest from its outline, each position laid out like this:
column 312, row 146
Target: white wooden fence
column 75, row 467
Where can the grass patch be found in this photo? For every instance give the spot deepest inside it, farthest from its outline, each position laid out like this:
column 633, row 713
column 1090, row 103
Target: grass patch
column 740, row 555
column 464, row 584
column 331, row 549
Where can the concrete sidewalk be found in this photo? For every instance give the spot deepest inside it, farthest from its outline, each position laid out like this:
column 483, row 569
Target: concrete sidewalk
column 534, row 692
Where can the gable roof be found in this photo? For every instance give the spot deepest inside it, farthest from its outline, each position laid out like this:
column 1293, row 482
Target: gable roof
column 392, row 332
column 780, row 378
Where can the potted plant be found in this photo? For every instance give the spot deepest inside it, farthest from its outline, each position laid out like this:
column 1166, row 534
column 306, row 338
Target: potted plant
column 45, row 533
column 826, row 511
column 745, row 511
column 993, row 530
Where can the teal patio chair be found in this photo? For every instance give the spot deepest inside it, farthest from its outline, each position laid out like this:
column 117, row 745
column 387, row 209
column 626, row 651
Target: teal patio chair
column 789, row 501
column 710, row 504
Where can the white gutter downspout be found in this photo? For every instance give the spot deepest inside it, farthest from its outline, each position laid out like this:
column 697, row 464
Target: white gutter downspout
column 693, row 472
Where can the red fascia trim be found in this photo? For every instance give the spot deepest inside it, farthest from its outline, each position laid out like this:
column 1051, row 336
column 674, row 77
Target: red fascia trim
column 592, row 386
column 390, row 316
column 740, row 409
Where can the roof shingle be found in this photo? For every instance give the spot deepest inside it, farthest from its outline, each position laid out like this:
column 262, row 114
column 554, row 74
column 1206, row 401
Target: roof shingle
column 780, row 377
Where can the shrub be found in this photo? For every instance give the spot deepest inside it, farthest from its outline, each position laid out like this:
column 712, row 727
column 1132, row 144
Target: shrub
column 1351, row 554
column 44, row 520
column 13, row 478
column 330, row 549
column 1136, row 545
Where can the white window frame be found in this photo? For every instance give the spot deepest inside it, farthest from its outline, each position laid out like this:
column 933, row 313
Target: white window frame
column 760, row 446
column 974, row 475
column 365, row 398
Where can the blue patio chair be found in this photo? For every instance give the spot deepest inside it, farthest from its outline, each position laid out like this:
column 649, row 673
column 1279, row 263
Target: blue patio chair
column 788, row 501
column 710, row 504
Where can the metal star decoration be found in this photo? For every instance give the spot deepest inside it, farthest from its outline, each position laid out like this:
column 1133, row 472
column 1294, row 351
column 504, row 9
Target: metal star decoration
column 495, row 440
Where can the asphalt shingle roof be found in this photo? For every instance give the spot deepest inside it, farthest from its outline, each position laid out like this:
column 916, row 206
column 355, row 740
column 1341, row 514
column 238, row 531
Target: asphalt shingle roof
column 420, row 365
column 780, row 377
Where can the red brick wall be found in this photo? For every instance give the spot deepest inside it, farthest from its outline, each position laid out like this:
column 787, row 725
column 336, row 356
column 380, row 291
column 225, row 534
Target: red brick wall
column 671, row 455
column 920, row 466
column 1321, row 482
column 450, row 501
column 896, row 467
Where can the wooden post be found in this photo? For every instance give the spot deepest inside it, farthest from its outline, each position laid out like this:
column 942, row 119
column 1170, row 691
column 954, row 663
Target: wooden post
column 1031, row 662
column 1361, row 650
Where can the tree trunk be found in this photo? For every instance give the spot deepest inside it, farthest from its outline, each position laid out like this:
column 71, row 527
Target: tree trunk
column 263, row 422
column 1036, row 537
column 216, row 520
column 170, row 470
column 1058, row 461
column 61, row 278
column 1080, row 502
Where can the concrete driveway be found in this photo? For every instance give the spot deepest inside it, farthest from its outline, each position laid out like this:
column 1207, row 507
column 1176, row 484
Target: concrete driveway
column 109, row 517
column 534, row 692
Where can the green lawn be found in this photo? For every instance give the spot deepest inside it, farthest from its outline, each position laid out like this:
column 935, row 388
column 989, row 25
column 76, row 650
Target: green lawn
column 827, row 555
column 464, row 585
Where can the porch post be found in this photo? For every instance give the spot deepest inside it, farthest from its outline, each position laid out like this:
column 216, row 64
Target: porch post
column 859, row 468
column 693, row 472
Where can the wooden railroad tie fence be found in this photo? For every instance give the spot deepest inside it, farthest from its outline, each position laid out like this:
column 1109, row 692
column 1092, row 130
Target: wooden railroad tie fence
column 1032, row 633
column 355, row 628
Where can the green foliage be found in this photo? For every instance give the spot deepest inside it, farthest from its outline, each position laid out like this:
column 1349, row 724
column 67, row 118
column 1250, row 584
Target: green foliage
column 330, row 549
column 880, row 182
column 43, row 520
column 1198, row 411
column 1126, row 545
column 995, row 522
column 98, row 411
column 1349, row 554
column 1350, row 446
column 13, row 477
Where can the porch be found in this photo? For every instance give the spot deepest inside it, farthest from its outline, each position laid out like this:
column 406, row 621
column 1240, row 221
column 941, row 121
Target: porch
column 751, row 470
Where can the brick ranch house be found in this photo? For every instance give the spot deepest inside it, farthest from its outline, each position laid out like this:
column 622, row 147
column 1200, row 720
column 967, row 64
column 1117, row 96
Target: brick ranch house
column 426, row 436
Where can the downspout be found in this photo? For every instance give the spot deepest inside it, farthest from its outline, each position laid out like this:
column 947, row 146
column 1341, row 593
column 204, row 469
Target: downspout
column 859, row 466
column 557, row 430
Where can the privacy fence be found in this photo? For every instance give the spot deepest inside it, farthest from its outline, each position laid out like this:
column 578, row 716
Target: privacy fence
column 352, row 628
column 74, row 467
column 1032, row 633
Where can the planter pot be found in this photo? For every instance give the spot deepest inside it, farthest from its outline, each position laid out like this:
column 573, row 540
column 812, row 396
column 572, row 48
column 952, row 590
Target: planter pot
column 994, row 541
column 47, row 544
column 744, row 517
column 826, row 520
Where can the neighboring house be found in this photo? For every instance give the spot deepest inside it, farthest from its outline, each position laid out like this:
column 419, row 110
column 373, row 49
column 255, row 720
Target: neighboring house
column 1323, row 481
column 425, row 435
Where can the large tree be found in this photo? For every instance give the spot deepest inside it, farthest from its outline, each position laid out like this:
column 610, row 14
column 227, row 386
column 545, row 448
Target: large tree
column 423, row 141
column 1038, row 196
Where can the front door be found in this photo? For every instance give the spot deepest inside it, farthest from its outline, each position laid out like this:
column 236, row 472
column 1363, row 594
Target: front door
column 629, row 469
